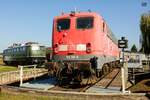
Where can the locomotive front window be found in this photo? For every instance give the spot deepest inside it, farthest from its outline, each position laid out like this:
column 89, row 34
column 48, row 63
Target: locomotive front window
column 35, row 47
column 42, row 48
column 63, row 24
column 84, row 22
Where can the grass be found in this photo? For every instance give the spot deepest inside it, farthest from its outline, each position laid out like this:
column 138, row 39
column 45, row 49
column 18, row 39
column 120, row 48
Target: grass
column 21, row 96
column 4, row 68
column 26, row 96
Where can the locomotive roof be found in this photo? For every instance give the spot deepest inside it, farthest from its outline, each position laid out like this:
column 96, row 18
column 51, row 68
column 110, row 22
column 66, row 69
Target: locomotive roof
column 77, row 14
column 15, row 45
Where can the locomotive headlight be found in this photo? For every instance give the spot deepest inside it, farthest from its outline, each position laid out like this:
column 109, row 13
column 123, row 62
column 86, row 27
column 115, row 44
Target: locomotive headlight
column 63, row 47
column 56, row 48
column 81, row 47
column 35, row 48
column 88, row 47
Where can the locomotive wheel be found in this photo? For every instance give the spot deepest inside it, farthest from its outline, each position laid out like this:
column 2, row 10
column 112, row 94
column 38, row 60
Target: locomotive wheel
column 77, row 76
column 111, row 66
column 9, row 62
column 98, row 73
column 117, row 64
column 104, row 69
column 6, row 63
column 107, row 69
column 64, row 76
column 59, row 76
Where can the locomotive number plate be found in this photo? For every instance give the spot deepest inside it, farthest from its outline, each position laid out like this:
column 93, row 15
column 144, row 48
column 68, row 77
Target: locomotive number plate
column 72, row 57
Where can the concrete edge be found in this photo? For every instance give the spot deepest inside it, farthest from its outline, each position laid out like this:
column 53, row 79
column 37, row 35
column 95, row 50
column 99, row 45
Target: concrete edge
column 26, row 90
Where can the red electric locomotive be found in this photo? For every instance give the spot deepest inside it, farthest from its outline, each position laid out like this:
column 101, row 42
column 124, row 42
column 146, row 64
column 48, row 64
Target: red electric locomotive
column 82, row 45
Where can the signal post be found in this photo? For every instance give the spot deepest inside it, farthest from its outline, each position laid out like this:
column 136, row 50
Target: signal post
column 123, row 44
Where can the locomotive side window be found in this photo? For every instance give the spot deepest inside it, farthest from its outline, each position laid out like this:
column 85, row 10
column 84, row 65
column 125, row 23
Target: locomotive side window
column 5, row 51
column 14, row 49
column 42, row 48
column 17, row 49
column 23, row 48
column 63, row 24
column 103, row 26
column 84, row 22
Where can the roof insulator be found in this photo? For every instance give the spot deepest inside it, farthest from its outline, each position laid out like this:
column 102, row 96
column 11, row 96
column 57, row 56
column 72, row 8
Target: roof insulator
column 89, row 10
column 62, row 13
column 72, row 13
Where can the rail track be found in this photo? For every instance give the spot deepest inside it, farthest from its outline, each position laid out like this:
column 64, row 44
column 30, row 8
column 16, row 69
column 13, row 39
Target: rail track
column 109, row 80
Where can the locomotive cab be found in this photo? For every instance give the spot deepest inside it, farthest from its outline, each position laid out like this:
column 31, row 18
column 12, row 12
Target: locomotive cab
column 73, row 36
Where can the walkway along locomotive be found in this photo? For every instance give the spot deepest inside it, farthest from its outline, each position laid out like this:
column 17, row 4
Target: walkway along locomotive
column 83, row 46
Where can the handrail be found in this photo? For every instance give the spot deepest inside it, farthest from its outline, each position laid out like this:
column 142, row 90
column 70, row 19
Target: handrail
column 14, row 76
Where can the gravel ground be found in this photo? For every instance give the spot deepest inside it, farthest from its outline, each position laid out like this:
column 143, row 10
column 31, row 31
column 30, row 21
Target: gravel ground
column 142, row 86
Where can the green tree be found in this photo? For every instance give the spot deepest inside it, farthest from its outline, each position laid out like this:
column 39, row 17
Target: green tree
column 145, row 30
column 133, row 48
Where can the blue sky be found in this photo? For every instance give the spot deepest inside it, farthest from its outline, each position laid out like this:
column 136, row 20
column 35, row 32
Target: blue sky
column 31, row 20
